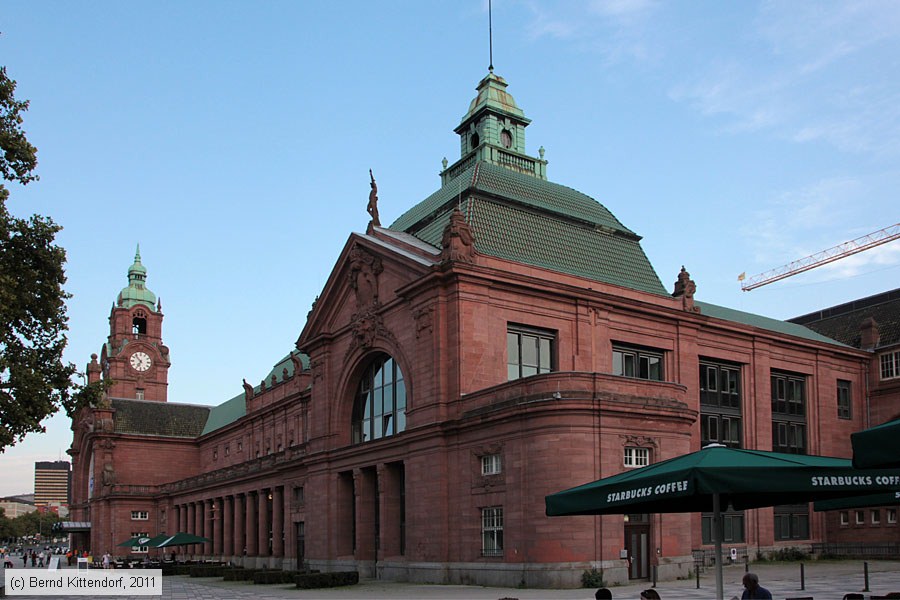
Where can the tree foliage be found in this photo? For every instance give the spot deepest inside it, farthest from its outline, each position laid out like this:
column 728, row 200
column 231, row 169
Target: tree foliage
column 34, row 381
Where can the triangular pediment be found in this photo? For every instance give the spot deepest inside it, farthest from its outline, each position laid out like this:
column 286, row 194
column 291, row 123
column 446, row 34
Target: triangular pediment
column 368, row 273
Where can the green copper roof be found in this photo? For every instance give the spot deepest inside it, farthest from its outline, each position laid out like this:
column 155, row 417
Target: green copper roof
column 231, row 410
column 768, row 323
column 137, row 292
column 226, row 413
column 514, row 215
column 492, row 95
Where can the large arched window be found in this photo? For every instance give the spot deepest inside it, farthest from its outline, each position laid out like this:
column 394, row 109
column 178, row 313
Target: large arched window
column 380, row 406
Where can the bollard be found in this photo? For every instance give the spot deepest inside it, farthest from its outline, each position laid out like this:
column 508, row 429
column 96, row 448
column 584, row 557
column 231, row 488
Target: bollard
column 747, row 565
column 654, row 575
column 802, row 578
column 697, row 569
column 866, row 574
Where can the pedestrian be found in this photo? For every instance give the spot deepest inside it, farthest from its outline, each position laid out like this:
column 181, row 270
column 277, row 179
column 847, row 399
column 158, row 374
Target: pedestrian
column 603, row 594
column 33, row 558
column 106, row 560
column 41, row 559
column 650, row 594
column 752, row 589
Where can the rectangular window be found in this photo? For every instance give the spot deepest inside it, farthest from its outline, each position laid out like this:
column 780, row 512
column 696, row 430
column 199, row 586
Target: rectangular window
column 860, row 517
column 636, row 362
column 792, row 522
column 299, row 498
column 720, row 404
column 732, row 527
column 138, row 394
column 529, row 352
column 876, row 516
column 892, row 516
column 492, row 531
column 490, row 464
column 637, row 457
column 788, row 413
column 843, row 399
column 845, row 517
column 890, row 365
column 139, row 515
column 140, row 549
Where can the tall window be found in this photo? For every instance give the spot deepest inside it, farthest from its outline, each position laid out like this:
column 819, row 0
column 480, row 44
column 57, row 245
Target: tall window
column 788, row 413
column 380, row 409
column 720, row 404
column 792, row 522
column 638, row 362
column 492, row 531
column 528, row 352
column 890, row 365
column 843, row 399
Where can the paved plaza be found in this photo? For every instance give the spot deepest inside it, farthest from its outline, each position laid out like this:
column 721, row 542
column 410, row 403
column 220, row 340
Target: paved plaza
column 824, row 580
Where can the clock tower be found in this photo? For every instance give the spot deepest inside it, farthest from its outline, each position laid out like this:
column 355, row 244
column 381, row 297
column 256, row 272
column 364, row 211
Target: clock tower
column 134, row 357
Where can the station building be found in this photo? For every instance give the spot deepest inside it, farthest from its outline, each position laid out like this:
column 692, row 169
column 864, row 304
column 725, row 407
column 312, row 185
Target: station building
column 503, row 339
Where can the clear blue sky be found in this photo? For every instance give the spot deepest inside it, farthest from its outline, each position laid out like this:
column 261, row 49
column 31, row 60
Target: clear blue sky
column 232, row 140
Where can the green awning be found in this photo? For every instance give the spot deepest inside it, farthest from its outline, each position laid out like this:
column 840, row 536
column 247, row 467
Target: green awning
column 877, row 447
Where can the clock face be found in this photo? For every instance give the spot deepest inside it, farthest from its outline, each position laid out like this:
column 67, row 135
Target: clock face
column 140, row 361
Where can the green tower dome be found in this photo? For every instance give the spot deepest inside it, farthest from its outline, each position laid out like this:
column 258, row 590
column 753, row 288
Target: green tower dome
column 137, row 292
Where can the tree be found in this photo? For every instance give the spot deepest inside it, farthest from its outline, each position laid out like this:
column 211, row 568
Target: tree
column 34, row 382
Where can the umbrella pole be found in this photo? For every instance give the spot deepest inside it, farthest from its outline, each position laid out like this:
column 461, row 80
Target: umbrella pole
column 717, row 534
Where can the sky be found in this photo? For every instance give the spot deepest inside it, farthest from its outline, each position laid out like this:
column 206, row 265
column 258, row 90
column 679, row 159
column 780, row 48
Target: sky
column 232, row 141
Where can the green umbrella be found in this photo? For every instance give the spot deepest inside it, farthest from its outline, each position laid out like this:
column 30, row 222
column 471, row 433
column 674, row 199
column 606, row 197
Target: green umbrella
column 877, row 447
column 716, row 477
column 135, row 542
column 179, row 539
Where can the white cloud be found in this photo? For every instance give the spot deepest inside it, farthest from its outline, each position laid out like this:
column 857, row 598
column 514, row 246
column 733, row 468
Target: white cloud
column 809, row 72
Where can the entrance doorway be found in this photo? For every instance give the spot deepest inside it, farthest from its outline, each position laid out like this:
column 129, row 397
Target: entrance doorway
column 637, row 543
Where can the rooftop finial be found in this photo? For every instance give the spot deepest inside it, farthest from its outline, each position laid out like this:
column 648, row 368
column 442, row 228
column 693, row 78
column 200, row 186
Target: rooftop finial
column 137, row 253
column 490, row 39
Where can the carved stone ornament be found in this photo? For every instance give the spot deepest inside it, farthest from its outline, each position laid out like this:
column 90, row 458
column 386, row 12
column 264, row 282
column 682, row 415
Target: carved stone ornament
column 368, row 326
column 639, row 441
column 364, row 271
column 458, row 242
column 248, row 390
column 315, row 367
column 424, row 320
column 686, row 288
column 107, row 444
column 109, row 475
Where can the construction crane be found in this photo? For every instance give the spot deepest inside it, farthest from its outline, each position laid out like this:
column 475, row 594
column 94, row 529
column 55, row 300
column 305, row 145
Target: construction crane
column 877, row 238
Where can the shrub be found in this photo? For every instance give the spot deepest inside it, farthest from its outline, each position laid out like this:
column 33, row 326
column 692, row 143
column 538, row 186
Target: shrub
column 790, row 554
column 592, row 579
column 310, row 581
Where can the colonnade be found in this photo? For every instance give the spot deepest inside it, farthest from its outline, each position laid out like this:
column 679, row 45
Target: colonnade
column 241, row 524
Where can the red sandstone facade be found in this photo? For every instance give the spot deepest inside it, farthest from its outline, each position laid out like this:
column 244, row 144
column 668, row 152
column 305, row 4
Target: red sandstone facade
column 445, row 481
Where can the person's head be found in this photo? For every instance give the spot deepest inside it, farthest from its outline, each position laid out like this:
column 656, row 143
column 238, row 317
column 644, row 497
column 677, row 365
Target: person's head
column 650, row 594
column 751, row 581
column 603, row 594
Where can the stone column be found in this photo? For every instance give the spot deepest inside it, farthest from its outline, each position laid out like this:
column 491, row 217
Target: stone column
column 198, row 525
column 191, row 524
column 240, row 517
column 263, row 523
column 217, row 526
column 228, row 526
column 208, row 519
column 252, row 525
column 278, row 522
